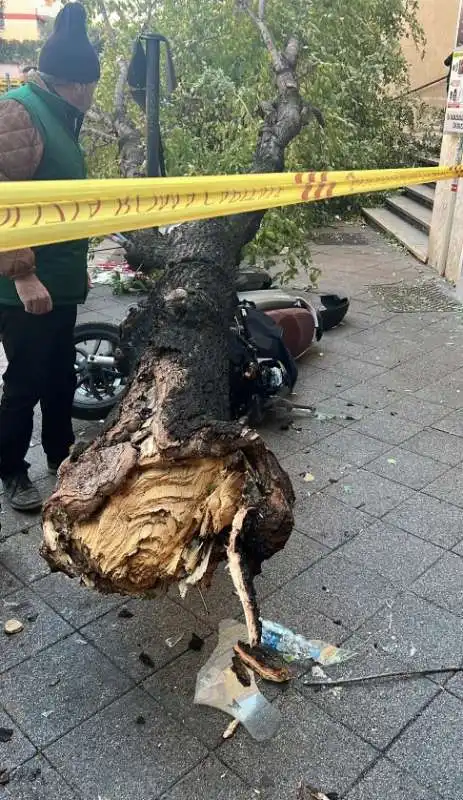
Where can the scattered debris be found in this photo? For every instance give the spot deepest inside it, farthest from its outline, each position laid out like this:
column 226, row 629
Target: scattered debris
column 172, row 641
column 240, row 671
column 217, row 686
column 140, row 720
column 13, row 626
column 294, row 647
column 125, row 613
column 384, row 675
column 47, row 714
column 203, row 600
column 318, row 672
column 391, row 461
column 263, row 661
column 4, row 777
column 146, row 660
column 231, row 729
column 308, row 793
column 308, row 477
column 6, row 734
column 195, row 643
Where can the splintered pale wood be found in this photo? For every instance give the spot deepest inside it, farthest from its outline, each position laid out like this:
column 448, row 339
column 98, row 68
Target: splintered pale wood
column 165, row 521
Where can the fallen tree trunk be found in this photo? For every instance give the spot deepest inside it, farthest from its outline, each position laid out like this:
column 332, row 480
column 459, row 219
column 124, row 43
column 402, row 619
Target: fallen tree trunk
column 173, row 485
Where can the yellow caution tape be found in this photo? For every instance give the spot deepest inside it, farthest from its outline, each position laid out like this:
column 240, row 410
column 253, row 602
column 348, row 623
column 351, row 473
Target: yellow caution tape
column 44, row 212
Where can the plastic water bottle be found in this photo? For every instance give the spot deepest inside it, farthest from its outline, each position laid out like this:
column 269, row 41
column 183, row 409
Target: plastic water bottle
column 294, row 647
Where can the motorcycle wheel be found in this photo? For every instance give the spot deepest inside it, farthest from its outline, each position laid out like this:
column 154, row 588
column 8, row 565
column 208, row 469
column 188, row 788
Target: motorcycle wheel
column 98, row 387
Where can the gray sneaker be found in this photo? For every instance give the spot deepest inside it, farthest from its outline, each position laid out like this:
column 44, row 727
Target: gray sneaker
column 21, row 493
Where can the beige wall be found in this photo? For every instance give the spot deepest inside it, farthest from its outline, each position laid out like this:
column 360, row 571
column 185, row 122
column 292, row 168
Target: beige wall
column 21, row 21
column 439, row 19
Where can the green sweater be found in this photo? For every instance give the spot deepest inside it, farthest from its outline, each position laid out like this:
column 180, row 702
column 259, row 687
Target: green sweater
column 62, row 268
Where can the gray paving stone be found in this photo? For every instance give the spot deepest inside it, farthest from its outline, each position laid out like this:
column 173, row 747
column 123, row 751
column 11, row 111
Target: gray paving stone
column 302, row 434
column 343, row 408
column 74, row 601
column 299, row 553
column 154, row 621
column 12, row 522
column 52, row 693
column 437, row 445
column 430, row 749
column 408, row 377
column 429, row 518
column 280, row 442
column 309, row 747
column 8, row 582
column 397, row 353
column 442, row 583
column 220, row 600
column 453, row 423
column 324, row 469
column 382, row 425
column 42, row 627
column 37, row 780
column 113, row 756
column 448, row 487
column 387, row 782
column 210, row 780
column 18, row 749
column 328, row 521
column 20, row 554
column 407, row 468
column 356, row 370
column 419, row 411
column 375, row 337
column 173, row 687
column 376, row 712
column 448, row 389
column 370, row 493
column 378, row 548
column 290, row 606
column 372, row 397
column 352, row 447
column 409, row 633
column 315, row 385
column 341, row 590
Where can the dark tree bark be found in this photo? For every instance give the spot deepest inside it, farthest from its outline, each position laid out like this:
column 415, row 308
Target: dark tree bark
column 173, row 485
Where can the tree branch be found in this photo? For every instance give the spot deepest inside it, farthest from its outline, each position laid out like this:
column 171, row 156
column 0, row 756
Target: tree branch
column 261, row 9
column 277, row 59
column 107, row 22
column 119, row 92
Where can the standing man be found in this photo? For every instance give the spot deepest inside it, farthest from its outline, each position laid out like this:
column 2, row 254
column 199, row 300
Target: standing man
column 40, row 288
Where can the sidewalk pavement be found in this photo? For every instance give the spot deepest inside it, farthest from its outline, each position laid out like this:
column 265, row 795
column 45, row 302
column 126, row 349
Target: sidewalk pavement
column 375, row 562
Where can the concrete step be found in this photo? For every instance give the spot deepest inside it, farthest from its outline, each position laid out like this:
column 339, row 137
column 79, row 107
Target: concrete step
column 415, row 241
column 410, row 211
column 423, row 194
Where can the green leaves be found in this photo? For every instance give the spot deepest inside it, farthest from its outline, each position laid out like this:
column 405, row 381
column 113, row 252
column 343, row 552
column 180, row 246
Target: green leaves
column 351, row 65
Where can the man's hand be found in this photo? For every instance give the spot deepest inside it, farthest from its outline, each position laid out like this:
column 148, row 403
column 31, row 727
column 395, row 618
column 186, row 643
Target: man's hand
column 33, row 295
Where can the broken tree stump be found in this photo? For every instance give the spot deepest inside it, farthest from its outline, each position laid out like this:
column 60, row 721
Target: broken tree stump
column 173, row 485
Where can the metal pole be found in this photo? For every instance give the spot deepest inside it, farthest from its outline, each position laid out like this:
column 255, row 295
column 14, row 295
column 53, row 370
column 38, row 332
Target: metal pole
column 455, row 183
column 153, row 169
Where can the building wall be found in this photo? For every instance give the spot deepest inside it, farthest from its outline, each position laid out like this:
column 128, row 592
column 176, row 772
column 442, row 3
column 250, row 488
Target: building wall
column 21, row 18
column 439, row 20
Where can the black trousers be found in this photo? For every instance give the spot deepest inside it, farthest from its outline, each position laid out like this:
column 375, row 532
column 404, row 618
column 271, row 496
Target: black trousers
column 40, row 352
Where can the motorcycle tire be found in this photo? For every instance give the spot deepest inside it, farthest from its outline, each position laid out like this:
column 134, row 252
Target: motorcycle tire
column 89, row 404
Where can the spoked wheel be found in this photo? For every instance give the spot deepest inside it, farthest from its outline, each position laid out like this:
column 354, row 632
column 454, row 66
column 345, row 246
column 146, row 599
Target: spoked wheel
column 99, row 382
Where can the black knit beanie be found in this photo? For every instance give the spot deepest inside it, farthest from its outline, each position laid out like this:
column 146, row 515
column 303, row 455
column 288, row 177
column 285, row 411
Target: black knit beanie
column 68, row 54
